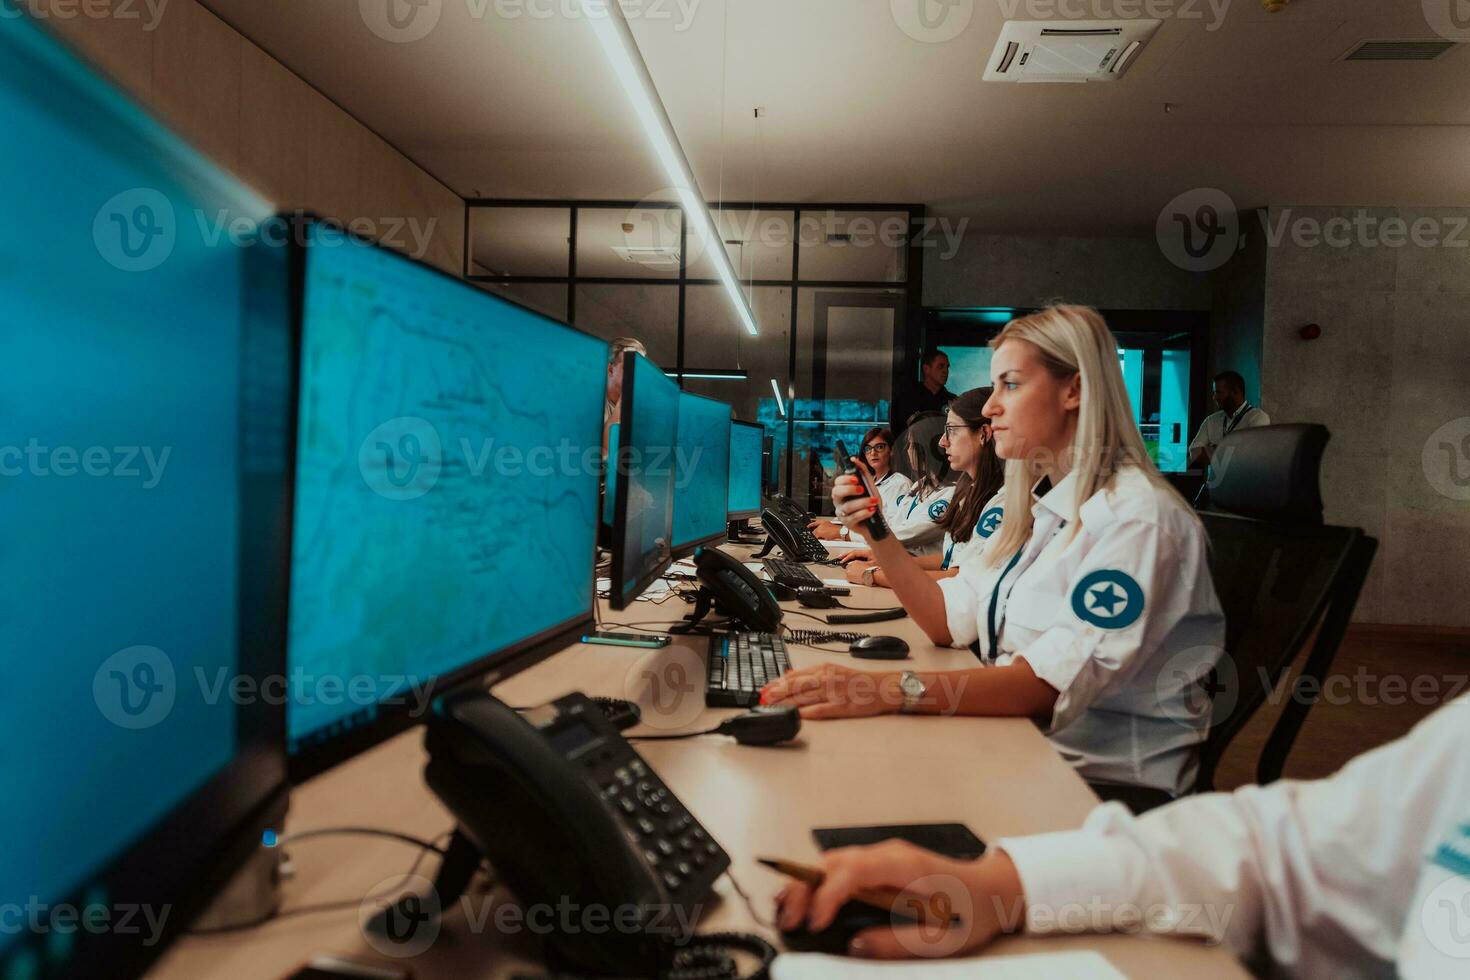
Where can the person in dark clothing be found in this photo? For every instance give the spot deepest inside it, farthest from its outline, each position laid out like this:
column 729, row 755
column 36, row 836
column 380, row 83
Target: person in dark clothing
column 930, row 395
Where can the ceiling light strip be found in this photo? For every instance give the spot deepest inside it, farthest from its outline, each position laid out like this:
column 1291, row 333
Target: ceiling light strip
column 621, row 49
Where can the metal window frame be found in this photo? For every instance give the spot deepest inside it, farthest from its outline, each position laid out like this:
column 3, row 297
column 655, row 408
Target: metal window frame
column 908, row 325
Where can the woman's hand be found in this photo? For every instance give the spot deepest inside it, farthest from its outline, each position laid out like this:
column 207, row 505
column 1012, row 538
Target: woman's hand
column 834, row 691
column 855, row 571
column 978, row 899
column 853, row 504
column 864, row 555
column 824, row 530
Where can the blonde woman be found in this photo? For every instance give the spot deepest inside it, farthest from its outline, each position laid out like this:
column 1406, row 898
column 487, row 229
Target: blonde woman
column 1091, row 608
column 614, row 404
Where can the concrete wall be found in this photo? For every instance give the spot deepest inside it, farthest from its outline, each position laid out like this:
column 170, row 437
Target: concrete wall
column 1391, row 378
column 254, row 117
column 1033, row 270
column 1238, row 314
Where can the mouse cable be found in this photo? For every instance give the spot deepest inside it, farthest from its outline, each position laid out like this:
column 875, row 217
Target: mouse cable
column 814, row 638
column 749, row 905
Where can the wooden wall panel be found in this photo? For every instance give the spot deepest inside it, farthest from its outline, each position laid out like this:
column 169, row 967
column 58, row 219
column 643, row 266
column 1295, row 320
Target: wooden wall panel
column 196, row 79
column 275, row 120
column 121, row 46
column 256, row 118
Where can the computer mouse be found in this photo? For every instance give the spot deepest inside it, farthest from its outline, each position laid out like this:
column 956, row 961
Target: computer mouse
column 880, row 648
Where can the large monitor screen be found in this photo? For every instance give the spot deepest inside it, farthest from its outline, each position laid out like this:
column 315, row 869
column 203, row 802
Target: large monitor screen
column 143, row 492
column 449, row 455
column 746, row 459
column 701, row 472
column 643, row 521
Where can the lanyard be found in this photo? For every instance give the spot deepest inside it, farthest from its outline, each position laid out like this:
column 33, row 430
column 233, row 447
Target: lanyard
column 997, row 627
column 948, row 554
column 1238, row 416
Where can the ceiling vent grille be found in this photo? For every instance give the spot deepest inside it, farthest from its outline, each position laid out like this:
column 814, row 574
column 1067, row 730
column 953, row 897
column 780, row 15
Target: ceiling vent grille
column 660, row 257
column 1068, row 51
column 1398, row 50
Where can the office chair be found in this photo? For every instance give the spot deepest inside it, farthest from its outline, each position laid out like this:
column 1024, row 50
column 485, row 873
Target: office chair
column 1280, row 573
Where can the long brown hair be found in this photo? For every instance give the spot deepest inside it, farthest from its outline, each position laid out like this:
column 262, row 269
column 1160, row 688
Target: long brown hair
column 972, row 493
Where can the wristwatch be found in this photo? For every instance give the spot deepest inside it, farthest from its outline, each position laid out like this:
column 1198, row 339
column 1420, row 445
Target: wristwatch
column 843, row 528
column 913, row 690
column 868, row 574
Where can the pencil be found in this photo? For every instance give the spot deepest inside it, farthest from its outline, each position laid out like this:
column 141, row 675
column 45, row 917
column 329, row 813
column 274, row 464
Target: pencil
column 884, row 898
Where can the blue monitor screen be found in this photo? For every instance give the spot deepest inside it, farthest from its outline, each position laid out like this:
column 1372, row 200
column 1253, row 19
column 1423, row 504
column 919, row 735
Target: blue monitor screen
column 747, row 443
column 446, row 488
column 126, row 454
column 642, row 540
column 701, row 471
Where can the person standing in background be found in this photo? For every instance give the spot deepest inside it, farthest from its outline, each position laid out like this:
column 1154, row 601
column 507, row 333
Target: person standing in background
column 1235, row 412
column 930, row 395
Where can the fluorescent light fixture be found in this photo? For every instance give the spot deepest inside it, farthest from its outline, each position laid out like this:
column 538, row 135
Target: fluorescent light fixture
column 780, row 405
column 710, row 374
column 621, row 49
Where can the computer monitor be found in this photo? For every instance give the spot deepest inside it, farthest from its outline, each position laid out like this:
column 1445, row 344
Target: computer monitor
column 449, row 455
column 701, row 473
column 747, row 448
column 144, row 493
column 643, row 470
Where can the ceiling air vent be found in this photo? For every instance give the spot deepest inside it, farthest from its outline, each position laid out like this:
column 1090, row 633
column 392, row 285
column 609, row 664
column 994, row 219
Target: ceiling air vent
column 1398, row 50
column 1067, row 51
column 659, row 257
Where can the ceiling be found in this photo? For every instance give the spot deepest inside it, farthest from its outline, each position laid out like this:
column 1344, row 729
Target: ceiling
column 512, row 99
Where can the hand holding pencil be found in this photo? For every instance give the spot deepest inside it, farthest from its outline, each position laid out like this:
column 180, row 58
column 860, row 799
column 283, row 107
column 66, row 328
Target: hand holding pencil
column 958, row 906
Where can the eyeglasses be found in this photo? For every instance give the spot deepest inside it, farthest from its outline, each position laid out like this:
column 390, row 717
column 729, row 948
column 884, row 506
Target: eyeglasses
column 875, row 447
column 950, row 430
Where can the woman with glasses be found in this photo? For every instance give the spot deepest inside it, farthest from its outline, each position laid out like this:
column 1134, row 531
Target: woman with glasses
column 975, row 513
column 1091, row 608
column 877, row 451
column 916, row 516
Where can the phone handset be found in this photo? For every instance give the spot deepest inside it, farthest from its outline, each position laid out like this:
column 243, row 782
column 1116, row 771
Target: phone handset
column 877, row 525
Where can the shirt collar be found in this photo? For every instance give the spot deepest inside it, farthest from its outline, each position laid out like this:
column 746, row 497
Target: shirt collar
column 1244, row 407
column 1059, row 499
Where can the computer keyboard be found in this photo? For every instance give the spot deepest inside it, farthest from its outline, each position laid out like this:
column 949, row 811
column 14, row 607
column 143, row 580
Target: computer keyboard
column 740, row 664
column 791, row 574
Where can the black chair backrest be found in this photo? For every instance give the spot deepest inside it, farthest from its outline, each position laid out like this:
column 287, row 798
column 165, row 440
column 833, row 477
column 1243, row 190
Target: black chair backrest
column 1279, row 573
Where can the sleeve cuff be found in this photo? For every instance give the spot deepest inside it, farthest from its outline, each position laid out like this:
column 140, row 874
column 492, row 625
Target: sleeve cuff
column 959, row 610
column 1057, row 660
column 1074, row 881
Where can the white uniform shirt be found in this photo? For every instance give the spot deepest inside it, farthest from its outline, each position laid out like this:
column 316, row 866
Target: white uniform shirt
column 915, row 519
column 1363, row 874
column 1217, row 426
column 959, row 553
column 1120, row 618
column 891, row 487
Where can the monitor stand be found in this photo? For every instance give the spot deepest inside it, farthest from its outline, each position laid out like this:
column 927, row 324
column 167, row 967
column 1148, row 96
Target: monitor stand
column 737, row 532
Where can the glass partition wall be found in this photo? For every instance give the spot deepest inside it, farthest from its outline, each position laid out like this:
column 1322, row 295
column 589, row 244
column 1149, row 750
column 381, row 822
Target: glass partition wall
column 1162, row 355
column 834, row 289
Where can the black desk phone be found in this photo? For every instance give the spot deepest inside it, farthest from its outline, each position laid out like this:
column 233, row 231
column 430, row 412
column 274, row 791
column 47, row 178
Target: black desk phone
column 786, row 527
column 568, row 812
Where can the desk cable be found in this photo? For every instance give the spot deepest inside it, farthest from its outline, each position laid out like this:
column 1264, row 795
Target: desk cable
column 425, row 847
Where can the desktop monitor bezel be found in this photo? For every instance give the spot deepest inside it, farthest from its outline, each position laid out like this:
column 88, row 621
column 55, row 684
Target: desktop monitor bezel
column 486, row 670
column 683, row 549
column 618, row 597
column 185, row 859
column 745, row 515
